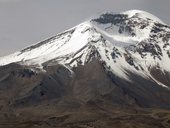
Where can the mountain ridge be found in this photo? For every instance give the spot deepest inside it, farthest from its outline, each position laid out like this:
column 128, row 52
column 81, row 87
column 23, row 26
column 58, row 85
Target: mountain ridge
column 125, row 41
column 131, row 12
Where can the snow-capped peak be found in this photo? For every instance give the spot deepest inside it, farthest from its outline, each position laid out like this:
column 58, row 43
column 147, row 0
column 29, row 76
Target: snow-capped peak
column 142, row 14
column 132, row 41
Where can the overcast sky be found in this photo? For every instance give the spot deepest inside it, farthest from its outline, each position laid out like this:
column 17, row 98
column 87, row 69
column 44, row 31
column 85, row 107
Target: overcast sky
column 25, row 22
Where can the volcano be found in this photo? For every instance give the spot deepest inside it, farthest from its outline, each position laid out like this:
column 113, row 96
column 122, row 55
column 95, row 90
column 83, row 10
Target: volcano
column 110, row 71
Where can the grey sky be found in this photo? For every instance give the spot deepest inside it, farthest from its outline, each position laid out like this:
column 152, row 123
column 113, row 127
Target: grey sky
column 25, row 22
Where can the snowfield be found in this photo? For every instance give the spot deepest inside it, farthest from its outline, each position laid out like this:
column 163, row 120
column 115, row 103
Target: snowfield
column 129, row 41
